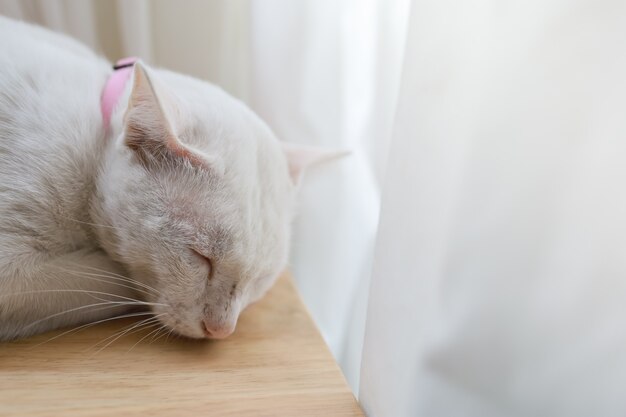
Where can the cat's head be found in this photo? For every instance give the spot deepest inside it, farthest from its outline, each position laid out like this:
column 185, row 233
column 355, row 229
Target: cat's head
column 197, row 196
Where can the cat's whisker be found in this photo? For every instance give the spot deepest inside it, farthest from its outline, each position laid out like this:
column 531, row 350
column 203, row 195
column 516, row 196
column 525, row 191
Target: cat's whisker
column 107, row 303
column 155, row 334
column 131, row 326
column 141, row 325
column 130, row 280
column 84, row 326
column 171, row 332
column 123, row 277
column 91, row 276
column 159, row 332
column 129, row 303
column 165, row 332
column 95, row 297
column 156, row 322
column 144, row 324
column 143, row 338
column 88, row 292
column 122, row 302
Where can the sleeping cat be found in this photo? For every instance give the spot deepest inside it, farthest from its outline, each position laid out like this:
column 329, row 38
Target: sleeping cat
column 180, row 203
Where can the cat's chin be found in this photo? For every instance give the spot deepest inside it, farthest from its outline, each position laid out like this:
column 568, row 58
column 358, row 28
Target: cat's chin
column 203, row 330
column 177, row 327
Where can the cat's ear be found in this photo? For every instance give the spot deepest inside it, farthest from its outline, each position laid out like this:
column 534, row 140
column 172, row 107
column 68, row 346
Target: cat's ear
column 147, row 129
column 300, row 158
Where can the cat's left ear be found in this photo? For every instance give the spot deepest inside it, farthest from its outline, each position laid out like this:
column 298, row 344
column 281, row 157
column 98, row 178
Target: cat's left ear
column 148, row 131
column 300, row 158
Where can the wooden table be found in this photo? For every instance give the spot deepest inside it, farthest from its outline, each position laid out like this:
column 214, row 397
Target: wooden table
column 275, row 364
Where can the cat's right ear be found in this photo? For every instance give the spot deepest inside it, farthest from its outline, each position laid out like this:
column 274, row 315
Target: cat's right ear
column 147, row 129
column 300, row 158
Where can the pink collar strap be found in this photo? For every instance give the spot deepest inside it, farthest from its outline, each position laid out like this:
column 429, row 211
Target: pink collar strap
column 114, row 87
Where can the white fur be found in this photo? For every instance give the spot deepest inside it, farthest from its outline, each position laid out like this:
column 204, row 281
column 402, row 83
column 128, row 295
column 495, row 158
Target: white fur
column 77, row 205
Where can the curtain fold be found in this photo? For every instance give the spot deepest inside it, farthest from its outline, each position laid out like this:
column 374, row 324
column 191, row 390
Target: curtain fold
column 134, row 25
column 499, row 277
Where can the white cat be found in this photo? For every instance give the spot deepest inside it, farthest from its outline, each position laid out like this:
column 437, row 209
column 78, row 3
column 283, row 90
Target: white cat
column 181, row 204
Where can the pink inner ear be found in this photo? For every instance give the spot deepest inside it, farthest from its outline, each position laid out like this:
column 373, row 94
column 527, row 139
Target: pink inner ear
column 159, row 146
column 299, row 158
column 179, row 150
column 148, row 131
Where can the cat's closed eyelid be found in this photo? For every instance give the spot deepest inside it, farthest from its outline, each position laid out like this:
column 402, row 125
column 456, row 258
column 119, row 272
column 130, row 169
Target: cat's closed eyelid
column 207, row 260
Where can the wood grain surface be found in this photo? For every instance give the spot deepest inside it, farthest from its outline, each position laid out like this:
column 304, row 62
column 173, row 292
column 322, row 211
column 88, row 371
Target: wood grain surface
column 275, row 364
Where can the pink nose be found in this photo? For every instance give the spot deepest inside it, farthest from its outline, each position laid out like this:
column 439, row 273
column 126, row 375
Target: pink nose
column 212, row 331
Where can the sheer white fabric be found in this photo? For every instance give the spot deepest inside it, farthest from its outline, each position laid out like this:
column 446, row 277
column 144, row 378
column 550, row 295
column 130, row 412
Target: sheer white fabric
column 499, row 282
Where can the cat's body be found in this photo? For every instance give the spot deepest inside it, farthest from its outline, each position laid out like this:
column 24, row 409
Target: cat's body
column 183, row 202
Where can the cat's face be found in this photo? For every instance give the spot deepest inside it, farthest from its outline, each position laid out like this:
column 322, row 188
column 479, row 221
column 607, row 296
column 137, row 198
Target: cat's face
column 198, row 195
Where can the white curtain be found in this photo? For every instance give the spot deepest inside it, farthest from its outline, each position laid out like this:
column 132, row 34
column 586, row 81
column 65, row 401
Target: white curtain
column 494, row 134
column 499, row 284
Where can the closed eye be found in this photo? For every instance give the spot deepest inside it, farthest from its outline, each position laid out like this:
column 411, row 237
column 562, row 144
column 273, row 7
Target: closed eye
column 207, row 261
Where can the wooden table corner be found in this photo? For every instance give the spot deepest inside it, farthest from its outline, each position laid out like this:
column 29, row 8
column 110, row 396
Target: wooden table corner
column 275, row 364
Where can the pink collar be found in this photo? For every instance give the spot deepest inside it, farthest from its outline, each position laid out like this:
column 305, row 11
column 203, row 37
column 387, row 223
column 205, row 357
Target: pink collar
column 114, row 88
